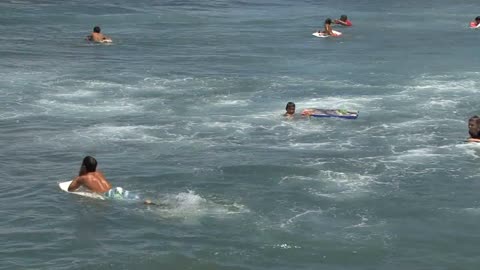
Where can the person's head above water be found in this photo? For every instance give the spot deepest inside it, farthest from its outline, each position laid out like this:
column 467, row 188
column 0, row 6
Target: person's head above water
column 474, row 126
column 344, row 18
column 290, row 108
column 96, row 29
column 477, row 19
column 328, row 21
column 90, row 164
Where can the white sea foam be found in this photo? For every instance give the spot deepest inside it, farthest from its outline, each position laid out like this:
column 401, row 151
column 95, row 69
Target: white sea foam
column 332, row 102
column 435, row 84
column 440, row 103
column 470, row 149
column 114, row 107
column 300, row 216
column 228, row 102
column 190, row 207
column 119, row 133
column 236, row 125
column 416, row 155
column 76, row 94
column 331, row 184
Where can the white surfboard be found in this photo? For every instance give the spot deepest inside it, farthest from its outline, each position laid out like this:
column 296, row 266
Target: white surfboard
column 64, row 186
column 322, row 35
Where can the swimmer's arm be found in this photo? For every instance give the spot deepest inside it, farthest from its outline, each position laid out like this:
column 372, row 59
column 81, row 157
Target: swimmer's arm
column 341, row 22
column 76, row 183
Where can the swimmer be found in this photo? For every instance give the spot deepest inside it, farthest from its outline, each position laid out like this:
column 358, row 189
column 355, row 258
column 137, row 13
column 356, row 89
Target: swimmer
column 475, row 23
column 327, row 29
column 96, row 36
column 343, row 21
column 474, row 129
column 290, row 108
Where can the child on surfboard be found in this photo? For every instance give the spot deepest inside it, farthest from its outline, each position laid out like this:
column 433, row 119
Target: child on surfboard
column 327, row 28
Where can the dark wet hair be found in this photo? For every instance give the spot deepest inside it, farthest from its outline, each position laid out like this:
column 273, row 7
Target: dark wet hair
column 289, row 104
column 96, row 29
column 477, row 18
column 90, row 164
column 343, row 17
column 328, row 21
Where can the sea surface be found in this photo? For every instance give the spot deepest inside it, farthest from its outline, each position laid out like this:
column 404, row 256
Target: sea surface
column 185, row 107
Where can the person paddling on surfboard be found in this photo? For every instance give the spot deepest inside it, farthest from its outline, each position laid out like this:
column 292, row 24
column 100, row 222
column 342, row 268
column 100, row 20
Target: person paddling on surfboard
column 343, row 21
column 327, row 29
column 96, row 36
column 94, row 180
column 475, row 23
column 90, row 177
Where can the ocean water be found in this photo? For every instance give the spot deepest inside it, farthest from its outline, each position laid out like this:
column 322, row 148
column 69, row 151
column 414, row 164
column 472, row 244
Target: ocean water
column 185, row 106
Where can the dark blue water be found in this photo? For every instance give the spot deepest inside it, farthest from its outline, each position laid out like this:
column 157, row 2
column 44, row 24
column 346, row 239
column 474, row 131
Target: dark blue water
column 184, row 108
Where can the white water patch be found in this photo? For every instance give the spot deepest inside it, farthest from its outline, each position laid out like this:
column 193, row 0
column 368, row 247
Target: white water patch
column 15, row 115
column 67, row 84
column 187, row 85
column 300, row 216
column 474, row 211
column 310, row 146
column 286, row 246
column 444, row 84
column 346, row 183
column 236, row 125
column 225, row 101
column 439, row 104
column 295, row 179
column 112, row 107
column 190, row 206
column 416, row 155
column 289, row 82
column 362, row 224
column 332, row 184
column 470, row 149
column 350, row 103
column 165, row 136
column 118, row 133
column 76, row 94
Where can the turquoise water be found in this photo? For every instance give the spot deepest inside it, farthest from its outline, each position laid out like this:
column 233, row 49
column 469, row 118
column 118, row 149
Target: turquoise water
column 184, row 108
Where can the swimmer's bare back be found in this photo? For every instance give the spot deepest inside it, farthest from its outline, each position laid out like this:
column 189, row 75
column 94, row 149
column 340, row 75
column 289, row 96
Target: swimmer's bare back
column 94, row 181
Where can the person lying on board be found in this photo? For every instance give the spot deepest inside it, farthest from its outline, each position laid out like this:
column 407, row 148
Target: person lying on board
column 343, row 21
column 94, row 180
column 327, row 28
column 474, row 129
column 96, row 36
column 90, row 177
